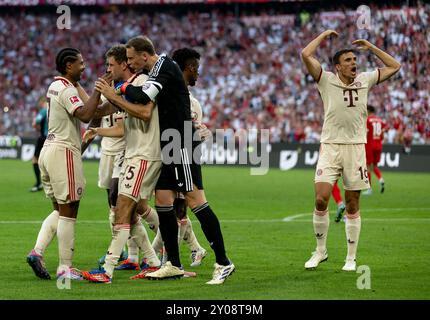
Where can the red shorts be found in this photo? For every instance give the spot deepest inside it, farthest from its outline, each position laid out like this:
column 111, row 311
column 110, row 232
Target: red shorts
column 373, row 155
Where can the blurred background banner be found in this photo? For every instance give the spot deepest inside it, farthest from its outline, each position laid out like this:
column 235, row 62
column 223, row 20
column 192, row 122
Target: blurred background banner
column 282, row 156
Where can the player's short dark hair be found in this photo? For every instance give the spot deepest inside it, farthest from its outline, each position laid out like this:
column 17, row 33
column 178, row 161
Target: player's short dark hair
column 141, row 44
column 336, row 58
column 184, row 56
column 118, row 52
column 371, row 108
column 64, row 56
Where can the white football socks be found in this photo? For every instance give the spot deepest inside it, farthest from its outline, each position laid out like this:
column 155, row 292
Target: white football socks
column 190, row 238
column 151, row 218
column 66, row 240
column 157, row 243
column 352, row 229
column 140, row 237
column 121, row 232
column 321, row 223
column 182, row 228
column 111, row 219
column 133, row 249
column 47, row 232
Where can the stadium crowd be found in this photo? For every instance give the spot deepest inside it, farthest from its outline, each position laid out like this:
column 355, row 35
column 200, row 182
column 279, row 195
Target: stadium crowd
column 251, row 72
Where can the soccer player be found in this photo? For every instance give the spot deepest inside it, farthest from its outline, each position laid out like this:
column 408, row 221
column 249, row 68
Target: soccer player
column 183, row 174
column 40, row 123
column 139, row 175
column 375, row 135
column 112, row 157
column 342, row 152
column 188, row 61
column 61, row 163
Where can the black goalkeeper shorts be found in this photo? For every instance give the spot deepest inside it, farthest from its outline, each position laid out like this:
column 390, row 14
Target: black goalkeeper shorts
column 180, row 177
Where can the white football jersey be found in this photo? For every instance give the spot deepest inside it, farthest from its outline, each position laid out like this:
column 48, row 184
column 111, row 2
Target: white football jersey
column 345, row 107
column 196, row 109
column 63, row 127
column 142, row 137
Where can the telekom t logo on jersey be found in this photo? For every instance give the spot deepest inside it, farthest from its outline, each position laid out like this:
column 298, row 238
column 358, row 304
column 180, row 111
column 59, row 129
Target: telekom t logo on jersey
column 350, row 95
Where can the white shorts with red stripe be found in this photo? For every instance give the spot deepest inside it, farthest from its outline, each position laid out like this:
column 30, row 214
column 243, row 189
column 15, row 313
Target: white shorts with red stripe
column 61, row 173
column 138, row 178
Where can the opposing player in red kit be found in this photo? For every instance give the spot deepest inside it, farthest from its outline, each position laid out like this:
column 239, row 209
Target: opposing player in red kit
column 375, row 135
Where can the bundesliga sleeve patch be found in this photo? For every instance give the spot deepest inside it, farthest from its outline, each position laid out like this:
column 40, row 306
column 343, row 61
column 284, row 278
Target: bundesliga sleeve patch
column 74, row 99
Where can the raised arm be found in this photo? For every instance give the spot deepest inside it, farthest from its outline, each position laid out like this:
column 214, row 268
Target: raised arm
column 82, row 93
column 392, row 66
column 86, row 112
column 105, row 109
column 311, row 63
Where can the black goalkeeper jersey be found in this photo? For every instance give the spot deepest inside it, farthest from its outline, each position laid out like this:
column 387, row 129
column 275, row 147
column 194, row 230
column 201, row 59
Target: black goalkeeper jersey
column 166, row 86
column 173, row 99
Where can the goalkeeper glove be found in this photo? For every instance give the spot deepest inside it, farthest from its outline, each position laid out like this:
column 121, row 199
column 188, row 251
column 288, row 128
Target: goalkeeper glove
column 120, row 87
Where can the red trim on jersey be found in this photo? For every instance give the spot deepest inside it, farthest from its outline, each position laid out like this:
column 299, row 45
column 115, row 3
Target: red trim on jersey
column 66, row 82
column 124, row 87
column 139, row 179
column 319, row 77
column 379, row 76
column 70, row 175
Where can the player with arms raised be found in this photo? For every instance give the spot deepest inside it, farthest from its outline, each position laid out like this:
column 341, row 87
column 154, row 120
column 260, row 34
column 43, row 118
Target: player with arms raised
column 343, row 138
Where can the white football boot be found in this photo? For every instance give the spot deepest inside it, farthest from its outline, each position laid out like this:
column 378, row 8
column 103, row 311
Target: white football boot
column 167, row 271
column 197, row 256
column 350, row 265
column 221, row 273
column 316, row 259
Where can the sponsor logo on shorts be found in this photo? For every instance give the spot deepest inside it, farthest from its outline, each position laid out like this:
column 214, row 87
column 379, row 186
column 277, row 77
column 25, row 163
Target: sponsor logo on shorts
column 128, row 186
column 319, row 172
column 79, row 191
column 180, row 184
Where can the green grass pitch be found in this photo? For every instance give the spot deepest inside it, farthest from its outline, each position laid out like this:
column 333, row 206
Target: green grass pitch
column 269, row 253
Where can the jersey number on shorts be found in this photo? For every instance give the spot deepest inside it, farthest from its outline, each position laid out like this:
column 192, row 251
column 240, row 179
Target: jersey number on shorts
column 363, row 173
column 130, row 172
